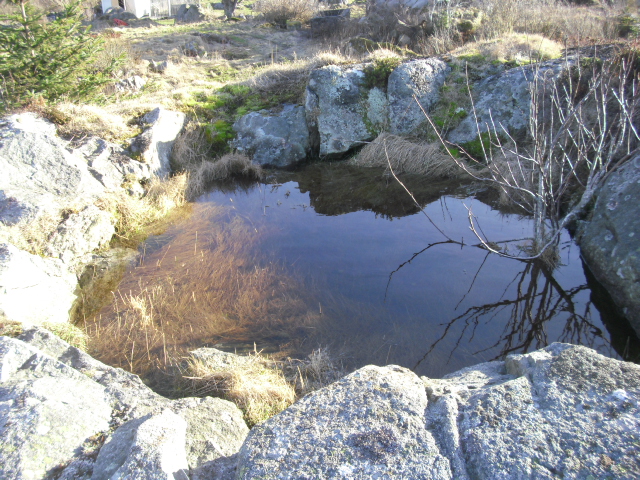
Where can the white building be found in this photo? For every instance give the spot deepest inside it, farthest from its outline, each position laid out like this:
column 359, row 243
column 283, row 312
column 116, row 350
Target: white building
column 139, row 8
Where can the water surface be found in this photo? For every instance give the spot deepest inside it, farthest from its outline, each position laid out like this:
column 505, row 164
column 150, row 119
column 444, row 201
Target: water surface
column 355, row 266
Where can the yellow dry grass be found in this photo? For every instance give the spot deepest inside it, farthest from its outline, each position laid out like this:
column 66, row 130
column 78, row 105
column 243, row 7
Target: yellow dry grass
column 518, row 47
column 256, row 385
column 404, row 156
column 32, row 235
column 134, row 215
column 80, row 120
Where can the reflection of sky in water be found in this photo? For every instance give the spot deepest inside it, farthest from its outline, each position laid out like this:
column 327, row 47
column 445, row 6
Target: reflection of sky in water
column 396, row 321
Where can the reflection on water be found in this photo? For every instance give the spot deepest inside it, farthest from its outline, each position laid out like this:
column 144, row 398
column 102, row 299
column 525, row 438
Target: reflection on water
column 338, row 257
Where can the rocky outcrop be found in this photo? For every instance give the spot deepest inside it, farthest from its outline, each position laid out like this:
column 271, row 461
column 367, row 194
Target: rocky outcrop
column 280, row 140
column 561, row 412
column 34, row 289
column 610, row 239
column 503, row 101
column 188, row 14
column 49, row 410
column 64, row 413
column 38, row 173
column 414, row 86
column 81, row 234
column 335, row 110
column 564, row 411
column 44, row 176
column 155, row 144
column 345, row 110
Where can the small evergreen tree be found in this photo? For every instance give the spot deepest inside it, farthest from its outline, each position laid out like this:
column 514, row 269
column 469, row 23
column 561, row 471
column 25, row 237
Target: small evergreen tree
column 48, row 59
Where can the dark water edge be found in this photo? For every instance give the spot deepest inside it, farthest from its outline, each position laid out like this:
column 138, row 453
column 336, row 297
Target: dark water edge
column 372, row 279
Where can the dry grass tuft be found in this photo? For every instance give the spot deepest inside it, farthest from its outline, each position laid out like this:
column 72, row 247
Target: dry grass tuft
column 85, row 120
column 256, row 385
column 68, row 332
column 317, row 371
column 133, row 215
column 10, row 328
column 426, row 159
column 279, row 12
column 192, row 153
column 518, row 47
column 231, row 165
column 33, row 235
column 290, row 78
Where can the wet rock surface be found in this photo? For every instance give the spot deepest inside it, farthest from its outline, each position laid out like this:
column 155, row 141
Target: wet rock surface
column 610, row 239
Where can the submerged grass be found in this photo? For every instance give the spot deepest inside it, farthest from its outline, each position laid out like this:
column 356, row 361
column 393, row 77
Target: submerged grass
column 198, row 289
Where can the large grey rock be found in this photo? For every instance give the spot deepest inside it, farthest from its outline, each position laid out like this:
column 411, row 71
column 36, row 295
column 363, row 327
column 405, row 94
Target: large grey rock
column 113, row 168
column 125, row 390
column 504, row 100
column 368, row 425
column 34, row 289
column 280, row 140
column 80, row 234
column 152, row 447
column 421, row 79
column 215, row 429
column 336, row 105
column 38, row 172
column 610, row 239
column 188, row 14
column 561, row 412
column 155, row 144
column 47, row 411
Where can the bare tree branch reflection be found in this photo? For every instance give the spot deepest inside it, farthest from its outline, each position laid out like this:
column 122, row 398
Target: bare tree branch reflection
column 539, row 298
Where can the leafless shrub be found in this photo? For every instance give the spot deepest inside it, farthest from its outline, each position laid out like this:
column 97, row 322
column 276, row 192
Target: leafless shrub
column 581, row 127
column 426, row 159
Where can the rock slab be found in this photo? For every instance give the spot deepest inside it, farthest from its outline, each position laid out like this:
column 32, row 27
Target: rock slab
column 335, row 109
column 39, row 174
column 414, row 86
column 58, row 406
column 155, row 144
column 610, row 239
column 368, row 425
column 561, row 412
column 279, row 140
column 503, row 102
column 34, row 289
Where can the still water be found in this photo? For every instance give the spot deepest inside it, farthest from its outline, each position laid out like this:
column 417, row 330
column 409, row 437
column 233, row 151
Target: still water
column 373, row 279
